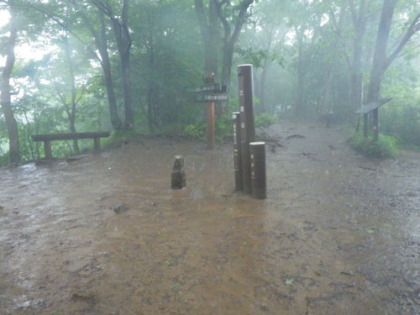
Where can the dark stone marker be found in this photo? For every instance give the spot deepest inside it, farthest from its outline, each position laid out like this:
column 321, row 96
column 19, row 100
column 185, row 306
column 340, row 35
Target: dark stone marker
column 246, row 168
column 258, row 170
column 178, row 177
column 237, row 155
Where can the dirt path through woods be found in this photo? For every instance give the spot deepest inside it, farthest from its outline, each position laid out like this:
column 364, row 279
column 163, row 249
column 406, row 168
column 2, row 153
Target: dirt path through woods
column 338, row 234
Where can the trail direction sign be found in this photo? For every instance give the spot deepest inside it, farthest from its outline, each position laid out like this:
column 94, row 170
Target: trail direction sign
column 373, row 105
column 211, row 93
column 206, row 98
column 214, row 88
column 215, row 97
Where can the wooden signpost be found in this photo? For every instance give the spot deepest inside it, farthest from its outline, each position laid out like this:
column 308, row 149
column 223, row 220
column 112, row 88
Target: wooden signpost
column 237, row 155
column 248, row 155
column 246, row 103
column 372, row 107
column 252, row 154
column 210, row 93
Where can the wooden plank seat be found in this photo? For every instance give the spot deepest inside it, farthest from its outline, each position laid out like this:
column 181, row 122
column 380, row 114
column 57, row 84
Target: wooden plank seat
column 47, row 138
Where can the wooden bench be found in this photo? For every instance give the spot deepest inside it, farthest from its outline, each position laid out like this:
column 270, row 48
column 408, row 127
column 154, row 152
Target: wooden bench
column 47, row 138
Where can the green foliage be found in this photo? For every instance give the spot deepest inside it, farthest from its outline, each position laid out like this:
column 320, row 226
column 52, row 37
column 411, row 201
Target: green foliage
column 224, row 127
column 195, row 132
column 264, row 120
column 167, row 63
column 401, row 116
column 118, row 138
column 384, row 148
column 301, row 48
column 257, row 57
column 4, row 159
column 404, row 123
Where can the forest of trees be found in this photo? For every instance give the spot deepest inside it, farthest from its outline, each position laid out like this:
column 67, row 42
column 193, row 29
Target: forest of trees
column 132, row 65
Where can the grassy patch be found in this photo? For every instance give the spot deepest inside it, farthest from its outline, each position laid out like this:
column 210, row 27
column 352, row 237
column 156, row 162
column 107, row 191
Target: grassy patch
column 264, row 120
column 195, row 132
column 117, row 138
column 223, row 129
column 384, row 148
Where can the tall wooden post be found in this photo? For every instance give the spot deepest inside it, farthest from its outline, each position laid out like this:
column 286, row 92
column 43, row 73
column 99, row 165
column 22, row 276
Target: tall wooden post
column 258, row 170
column 375, row 124
column 237, row 156
column 47, row 149
column 209, row 81
column 246, row 103
column 97, row 144
column 365, row 125
column 210, row 125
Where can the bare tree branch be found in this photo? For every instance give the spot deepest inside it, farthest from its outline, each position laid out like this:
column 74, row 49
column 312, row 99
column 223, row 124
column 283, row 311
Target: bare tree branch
column 412, row 29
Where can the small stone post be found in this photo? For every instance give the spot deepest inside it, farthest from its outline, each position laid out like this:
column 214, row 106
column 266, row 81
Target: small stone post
column 178, row 177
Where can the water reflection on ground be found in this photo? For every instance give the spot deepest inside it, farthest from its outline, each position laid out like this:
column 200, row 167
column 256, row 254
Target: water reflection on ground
column 337, row 234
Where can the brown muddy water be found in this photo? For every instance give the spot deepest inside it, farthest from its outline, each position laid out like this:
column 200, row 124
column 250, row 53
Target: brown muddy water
column 338, row 234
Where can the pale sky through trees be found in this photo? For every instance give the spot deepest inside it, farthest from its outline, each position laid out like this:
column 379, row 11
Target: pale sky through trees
column 23, row 51
column 4, row 17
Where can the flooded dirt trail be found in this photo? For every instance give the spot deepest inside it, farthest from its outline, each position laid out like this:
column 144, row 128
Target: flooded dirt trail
column 338, row 234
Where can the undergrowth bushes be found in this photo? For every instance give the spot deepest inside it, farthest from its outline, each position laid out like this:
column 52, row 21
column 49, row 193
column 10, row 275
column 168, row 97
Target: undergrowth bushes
column 265, row 120
column 223, row 127
column 385, row 147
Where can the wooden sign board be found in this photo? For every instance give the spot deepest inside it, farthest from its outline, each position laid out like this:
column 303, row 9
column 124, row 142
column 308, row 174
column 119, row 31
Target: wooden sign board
column 372, row 106
column 204, row 89
column 206, row 98
column 215, row 88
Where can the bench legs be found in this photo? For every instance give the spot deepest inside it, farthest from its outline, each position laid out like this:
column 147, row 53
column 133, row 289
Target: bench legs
column 97, row 144
column 47, row 150
column 48, row 153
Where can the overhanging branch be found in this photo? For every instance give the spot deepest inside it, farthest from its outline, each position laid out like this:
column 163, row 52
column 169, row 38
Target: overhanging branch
column 412, row 29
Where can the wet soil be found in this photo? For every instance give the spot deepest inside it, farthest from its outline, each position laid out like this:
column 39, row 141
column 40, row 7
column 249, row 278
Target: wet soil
column 105, row 234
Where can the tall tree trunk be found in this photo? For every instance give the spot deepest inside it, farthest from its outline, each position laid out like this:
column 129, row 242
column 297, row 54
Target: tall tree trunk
column 356, row 79
column 123, row 40
column 210, row 31
column 151, row 67
column 71, row 110
column 5, row 98
column 227, row 63
column 264, row 71
column 122, row 36
column 209, row 28
column 304, row 60
column 231, row 36
column 379, row 59
column 126, row 82
column 263, row 79
column 300, row 106
column 327, row 99
column 102, row 45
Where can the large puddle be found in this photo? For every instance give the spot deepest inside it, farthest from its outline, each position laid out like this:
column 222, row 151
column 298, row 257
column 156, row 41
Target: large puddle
column 106, row 235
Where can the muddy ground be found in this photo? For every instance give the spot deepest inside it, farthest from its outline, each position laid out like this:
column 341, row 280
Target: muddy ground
column 338, row 234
